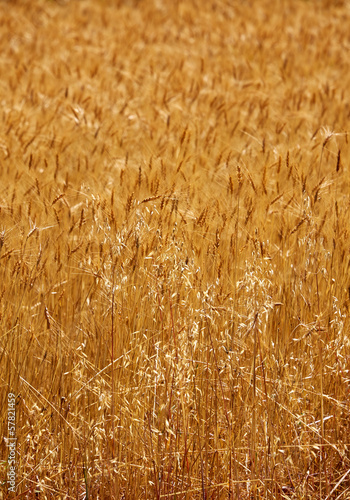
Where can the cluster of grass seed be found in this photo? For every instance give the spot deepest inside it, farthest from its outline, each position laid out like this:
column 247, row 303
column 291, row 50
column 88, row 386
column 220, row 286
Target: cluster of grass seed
column 174, row 248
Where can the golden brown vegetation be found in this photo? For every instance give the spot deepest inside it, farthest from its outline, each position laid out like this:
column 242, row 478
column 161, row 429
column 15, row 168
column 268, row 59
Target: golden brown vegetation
column 174, row 263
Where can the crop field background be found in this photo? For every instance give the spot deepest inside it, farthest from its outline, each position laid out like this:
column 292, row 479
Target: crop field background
column 175, row 249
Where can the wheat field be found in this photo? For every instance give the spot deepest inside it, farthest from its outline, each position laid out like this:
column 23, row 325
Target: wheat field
column 175, row 249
